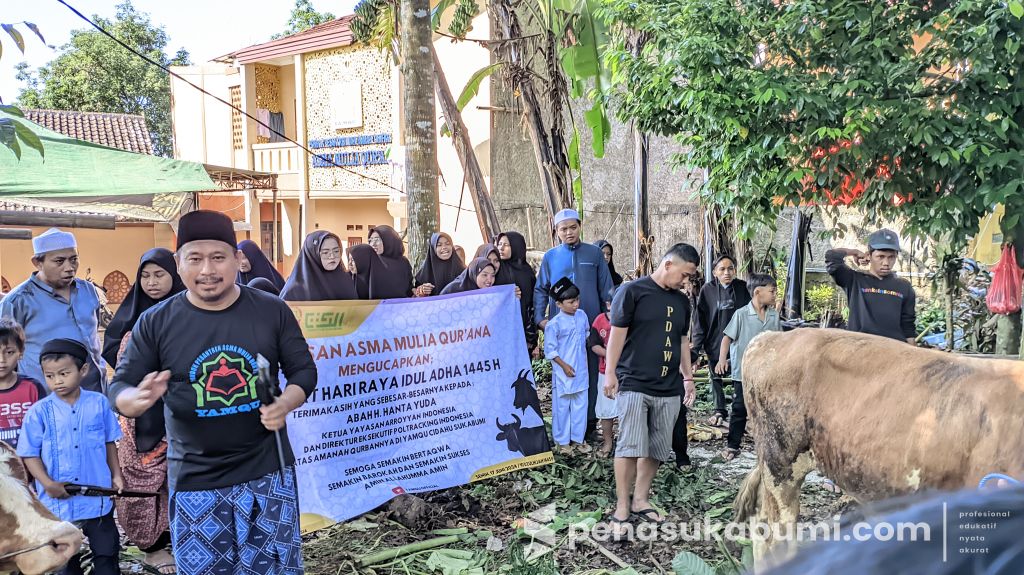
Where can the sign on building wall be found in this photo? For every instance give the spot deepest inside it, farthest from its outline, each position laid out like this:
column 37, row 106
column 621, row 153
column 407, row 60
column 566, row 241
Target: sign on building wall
column 347, row 105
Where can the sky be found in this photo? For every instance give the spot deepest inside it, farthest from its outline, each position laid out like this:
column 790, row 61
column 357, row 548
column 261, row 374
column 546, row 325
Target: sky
column 206, row 28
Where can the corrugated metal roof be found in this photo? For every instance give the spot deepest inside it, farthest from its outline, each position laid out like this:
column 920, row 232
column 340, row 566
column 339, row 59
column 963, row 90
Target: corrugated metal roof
column 327, row 35
column 126, row 132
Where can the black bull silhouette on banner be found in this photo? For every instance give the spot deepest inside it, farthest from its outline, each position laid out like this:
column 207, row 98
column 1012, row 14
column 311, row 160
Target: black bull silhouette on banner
column 526, row 440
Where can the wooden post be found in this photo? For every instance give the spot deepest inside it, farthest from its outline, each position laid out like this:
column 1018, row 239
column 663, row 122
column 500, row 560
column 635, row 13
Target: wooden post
column 641, row 212
column 1008, row 334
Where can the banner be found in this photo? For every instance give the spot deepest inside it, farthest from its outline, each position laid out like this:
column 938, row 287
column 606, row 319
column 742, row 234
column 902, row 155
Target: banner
column 413, row 395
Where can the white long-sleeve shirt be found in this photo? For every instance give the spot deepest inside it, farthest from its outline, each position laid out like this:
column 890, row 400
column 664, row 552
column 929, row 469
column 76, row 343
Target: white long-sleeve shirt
column 566, row 337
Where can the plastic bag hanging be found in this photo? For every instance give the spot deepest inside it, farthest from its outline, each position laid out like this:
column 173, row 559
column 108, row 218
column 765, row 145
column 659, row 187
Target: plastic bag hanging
column 1004, row 295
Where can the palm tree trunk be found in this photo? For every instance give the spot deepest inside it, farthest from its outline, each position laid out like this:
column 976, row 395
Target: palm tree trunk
column 418, row 124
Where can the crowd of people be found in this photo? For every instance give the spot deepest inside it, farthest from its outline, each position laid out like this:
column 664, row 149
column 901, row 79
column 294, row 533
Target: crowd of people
column 619, row 351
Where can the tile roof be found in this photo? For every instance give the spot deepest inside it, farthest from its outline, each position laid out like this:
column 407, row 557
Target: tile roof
column 126, row 132
column 321, row 37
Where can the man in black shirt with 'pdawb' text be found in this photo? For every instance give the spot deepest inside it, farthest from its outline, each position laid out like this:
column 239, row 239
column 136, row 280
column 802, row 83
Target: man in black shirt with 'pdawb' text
column 197, row 352
column 648, row 369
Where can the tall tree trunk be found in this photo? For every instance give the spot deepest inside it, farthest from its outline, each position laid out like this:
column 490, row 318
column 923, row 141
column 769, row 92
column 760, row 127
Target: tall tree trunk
column 553, row 165
column 418, row 123
column 643, row 243
column 486, row 216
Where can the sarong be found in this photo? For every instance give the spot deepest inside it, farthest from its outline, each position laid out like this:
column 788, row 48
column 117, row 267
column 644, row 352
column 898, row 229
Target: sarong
column 246, row 529
column 143, row 519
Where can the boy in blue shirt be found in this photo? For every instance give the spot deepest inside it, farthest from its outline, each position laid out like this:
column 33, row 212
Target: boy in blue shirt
column 747, row 323
column 68, row 437
column 565, row 344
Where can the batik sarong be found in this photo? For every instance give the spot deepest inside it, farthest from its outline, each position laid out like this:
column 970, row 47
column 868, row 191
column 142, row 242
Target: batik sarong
column 246, row 529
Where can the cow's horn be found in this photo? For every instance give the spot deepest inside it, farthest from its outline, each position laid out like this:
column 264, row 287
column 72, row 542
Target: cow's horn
column 516, row 417
column 498, row 423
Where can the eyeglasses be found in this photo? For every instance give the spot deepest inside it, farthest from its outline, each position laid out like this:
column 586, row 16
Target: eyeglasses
column 328, row 253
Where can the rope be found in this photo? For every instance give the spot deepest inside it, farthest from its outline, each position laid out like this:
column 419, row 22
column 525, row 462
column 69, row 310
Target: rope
column 992, row 476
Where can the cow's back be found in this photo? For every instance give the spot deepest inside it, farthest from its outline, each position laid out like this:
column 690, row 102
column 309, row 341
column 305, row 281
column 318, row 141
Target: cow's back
column 881, row 417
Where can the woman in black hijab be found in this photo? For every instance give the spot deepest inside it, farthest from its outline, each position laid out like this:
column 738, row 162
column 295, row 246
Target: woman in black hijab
column 398, row 280
column 256, row 265
column 440, row 268
column 512, row 250
column 479, row 275
column 142, row 449
column 263, row 284
column 360, row 258
column 156, row 280
column 609, row 253
column 503, row 275
column 319, row 274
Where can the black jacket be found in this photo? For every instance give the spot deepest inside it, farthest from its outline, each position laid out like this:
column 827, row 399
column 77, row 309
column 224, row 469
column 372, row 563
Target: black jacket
column 713, row 314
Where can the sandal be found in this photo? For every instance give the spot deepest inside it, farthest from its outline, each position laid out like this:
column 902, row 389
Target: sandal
column 644, row 515
column 717, row 420
column 617, row 524
column 729, row 454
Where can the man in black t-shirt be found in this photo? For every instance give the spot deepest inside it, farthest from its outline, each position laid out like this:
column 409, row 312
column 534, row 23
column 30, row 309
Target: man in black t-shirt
column 880, row 302
column 647, row 370
column 230, row 504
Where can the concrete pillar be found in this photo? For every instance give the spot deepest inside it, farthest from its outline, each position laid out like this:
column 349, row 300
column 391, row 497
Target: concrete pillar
column 308, row 204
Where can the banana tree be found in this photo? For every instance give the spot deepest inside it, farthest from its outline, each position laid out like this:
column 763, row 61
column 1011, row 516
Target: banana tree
column 377, row 23
column 558, row 62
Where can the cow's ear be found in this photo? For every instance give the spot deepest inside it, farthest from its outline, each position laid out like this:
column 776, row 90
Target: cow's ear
column 500, row 436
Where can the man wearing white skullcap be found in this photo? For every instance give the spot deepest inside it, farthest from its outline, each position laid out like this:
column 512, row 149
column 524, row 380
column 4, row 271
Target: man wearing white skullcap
column 52, row 303
column 585, row 266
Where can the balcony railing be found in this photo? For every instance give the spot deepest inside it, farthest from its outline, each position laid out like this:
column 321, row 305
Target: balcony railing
column 279, row 158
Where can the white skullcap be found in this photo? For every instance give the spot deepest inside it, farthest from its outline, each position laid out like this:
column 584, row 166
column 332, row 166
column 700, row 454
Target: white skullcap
column 52, row 240
column 566, row 214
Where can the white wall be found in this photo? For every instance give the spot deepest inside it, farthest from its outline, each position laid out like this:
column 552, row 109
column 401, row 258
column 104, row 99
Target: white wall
column 202, row 125
column 460, row 61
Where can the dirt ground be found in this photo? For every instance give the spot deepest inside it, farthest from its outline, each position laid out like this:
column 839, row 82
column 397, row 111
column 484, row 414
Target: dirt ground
column 480, row 528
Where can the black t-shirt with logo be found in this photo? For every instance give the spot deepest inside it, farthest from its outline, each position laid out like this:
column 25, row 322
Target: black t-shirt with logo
column 658, row 320
column 215, row 438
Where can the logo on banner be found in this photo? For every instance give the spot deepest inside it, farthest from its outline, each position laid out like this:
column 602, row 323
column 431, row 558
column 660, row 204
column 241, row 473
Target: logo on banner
column 224, row 379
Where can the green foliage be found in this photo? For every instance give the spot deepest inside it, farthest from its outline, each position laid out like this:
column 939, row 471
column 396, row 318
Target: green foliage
column 820, row 298
column 462, row 18
column 801, row 100
column 94, row 74
column 686, row 563
column 303, row 17
column 13, row 132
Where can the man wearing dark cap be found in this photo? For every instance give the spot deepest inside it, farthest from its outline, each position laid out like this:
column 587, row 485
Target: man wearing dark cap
column 880, row 303
column 230, row 503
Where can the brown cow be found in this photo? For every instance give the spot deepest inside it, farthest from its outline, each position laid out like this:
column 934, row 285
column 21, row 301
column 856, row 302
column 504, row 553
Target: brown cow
column 878, row 417
column 32, row 540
